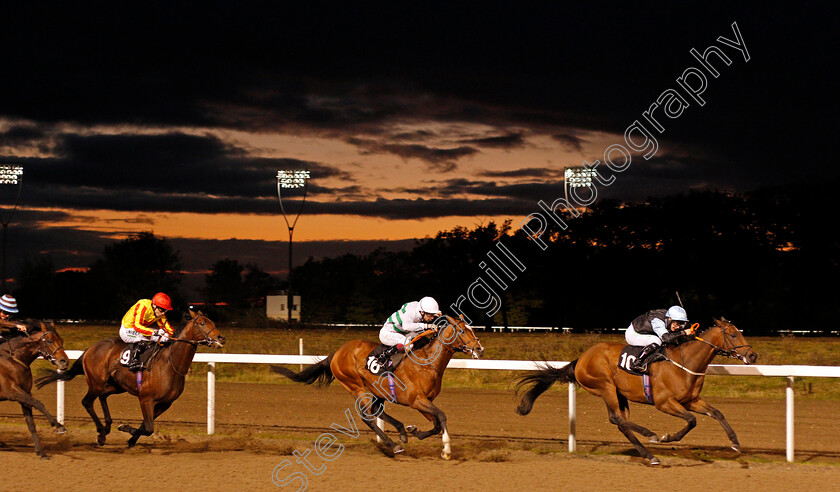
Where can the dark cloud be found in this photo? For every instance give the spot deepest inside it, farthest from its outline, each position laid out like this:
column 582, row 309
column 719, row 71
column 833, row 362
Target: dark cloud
column 570, row 142
column 441, row 160
column 508, row 141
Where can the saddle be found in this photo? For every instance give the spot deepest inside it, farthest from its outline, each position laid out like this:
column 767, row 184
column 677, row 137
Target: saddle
column 631, row 352
column 145, row 356
column 374, row 364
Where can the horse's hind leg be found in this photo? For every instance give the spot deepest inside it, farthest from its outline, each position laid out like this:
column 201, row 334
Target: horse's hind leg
column 700, row 406
column 101, row 430
column 106, row 413
column 673, row 407
column 396, row 424
column 629, row 429
column 30, row 423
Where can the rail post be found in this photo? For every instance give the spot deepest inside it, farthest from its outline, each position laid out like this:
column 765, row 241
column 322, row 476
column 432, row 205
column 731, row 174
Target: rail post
column 211, row 398
column 59, row 402
column 789, row 418
column 572, row 417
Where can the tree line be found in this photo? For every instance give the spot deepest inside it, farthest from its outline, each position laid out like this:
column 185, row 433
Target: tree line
column 766, row 260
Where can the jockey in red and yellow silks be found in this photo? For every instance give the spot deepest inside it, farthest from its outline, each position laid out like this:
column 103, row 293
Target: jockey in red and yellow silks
column 141, row 318
column 139, row 323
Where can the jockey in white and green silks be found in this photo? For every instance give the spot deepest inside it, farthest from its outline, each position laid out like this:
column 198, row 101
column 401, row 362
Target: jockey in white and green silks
column 411, row 319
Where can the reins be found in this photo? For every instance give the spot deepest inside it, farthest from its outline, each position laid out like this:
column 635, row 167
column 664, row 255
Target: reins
column 731, row 351
column 194, row 343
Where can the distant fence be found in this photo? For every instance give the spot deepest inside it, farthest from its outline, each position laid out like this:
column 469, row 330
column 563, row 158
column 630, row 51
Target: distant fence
column 788, row 372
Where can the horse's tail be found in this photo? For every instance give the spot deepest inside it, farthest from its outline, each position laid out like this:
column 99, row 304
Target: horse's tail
column 51, row 375
column 319, row 372
column 537, row 382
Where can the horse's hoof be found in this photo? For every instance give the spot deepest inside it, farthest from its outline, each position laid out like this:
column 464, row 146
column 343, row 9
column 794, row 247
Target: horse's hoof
column 60, row 429
column 653, row 439
column 653, row 460
column 411, row 428
column 125, row 428
column 403, row 438
column 446, row 456
column 398, row 449
column 44, row 457
column 736, row 448
column 100, row 440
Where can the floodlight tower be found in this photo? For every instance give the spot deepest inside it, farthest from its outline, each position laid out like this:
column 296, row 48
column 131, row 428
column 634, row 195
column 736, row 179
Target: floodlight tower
column 290, row 180
column 9, row 176
column 577, row 177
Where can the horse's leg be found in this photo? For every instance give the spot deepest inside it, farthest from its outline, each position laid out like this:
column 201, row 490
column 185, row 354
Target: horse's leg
column 25, row 398
column 674, row 408
column 106, row 412
column 87, row 402
column 30, row 423
column 614, row 411
column 369, row 418
column 147, row 427
column 436, row 416
column 396, row 424
column 700, row 406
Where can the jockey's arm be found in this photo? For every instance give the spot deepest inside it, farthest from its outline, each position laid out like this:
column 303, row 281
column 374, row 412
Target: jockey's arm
column 163, row 323
column 659, row 327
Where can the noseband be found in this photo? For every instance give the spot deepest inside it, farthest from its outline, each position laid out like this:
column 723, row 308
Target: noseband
column 207, row 340
column 44, row 350
column 729, row 349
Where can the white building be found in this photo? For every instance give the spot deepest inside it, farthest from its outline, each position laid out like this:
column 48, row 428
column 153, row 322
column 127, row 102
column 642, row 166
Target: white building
column 276, row 307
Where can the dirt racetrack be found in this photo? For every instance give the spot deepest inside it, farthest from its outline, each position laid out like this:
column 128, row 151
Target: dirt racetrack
column 258, row 426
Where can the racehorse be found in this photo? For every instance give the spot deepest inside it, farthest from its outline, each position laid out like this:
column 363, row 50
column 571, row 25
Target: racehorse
column 162, row 380
column 675, row 385
column 16, row 355
column 415, row 383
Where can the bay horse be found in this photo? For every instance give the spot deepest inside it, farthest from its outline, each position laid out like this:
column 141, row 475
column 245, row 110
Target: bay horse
column 163, row 379
column 16, row 357
column 675, row 383
column 415, row 383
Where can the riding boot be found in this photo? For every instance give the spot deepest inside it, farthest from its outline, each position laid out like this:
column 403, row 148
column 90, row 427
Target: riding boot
column 641, row 362
column 385, row 356
column 134, row 363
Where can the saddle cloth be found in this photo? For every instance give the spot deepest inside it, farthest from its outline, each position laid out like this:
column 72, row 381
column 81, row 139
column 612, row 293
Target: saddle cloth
column 373, row 364
column 631, row 352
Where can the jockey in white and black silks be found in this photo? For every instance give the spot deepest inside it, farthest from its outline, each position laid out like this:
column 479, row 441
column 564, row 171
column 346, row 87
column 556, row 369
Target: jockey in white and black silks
column 402, row 326
column 653, row 328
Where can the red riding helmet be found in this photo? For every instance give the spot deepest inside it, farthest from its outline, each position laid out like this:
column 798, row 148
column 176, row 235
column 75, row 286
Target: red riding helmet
column 162, row 300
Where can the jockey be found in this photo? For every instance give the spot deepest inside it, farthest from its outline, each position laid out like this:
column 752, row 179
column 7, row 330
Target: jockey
column 8, row 307
column 137, row 328
column 653, row 328
column 411, row 319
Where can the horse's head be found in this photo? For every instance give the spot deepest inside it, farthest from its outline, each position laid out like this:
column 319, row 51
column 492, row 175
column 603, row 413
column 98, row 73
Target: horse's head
column 461, row 336
column 732, row 343
column 202, row 330
column 51, row 346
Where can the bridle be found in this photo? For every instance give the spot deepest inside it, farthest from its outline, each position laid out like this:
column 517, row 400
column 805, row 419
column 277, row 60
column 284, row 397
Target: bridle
column 470, row 346
column 729, row 349
column 43, row 349
column 206, row 340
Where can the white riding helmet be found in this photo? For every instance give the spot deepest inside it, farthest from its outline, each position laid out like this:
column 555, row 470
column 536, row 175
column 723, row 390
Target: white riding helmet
column 429, row 305
column 677, row 313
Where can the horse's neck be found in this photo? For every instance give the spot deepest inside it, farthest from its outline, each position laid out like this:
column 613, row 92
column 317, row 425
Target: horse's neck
column 26, row 352
column 182, row 353
column 697, row 354
column 441, row 356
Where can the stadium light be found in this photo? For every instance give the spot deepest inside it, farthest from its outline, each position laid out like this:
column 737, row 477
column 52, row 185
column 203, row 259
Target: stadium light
column 10, row 175
column 577, row 177
column 288, row 180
